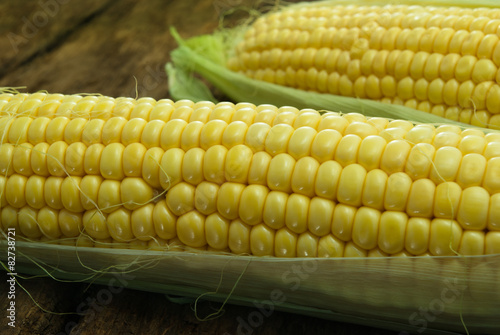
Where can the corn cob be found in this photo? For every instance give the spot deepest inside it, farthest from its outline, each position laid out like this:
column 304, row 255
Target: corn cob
column 246, row 179
column 439, row 60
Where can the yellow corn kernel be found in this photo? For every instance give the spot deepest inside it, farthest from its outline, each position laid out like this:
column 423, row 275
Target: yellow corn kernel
column 119, row 225
column 191, row 229
column 164, row 221
column 286, row 244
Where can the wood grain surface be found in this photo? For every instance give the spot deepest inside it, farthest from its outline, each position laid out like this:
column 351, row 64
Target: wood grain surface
column 99, row 46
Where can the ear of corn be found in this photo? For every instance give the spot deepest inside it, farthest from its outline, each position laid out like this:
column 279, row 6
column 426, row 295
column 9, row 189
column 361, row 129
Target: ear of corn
column 250, row 179
column 418, row 55
column 343, row 192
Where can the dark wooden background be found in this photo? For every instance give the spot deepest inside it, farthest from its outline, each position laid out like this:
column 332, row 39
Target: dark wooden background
column 98, row 46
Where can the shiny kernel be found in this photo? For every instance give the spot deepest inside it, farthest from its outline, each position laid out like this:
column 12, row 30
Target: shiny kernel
column 262, row 240
column 397, row 191
column 301, row 141
column 365, row 227
column 205, row 199
column 172, row 133
column 448, row 66
column 152, row 172
column 211, row 134
column 151, row 134
column 445, row 236
column 111, row 163
column 334, row 122
column 238, row 161
column 112, row 130
column 70, row 194
column 191, row 134
column 164, row 221
column 471, row 171
column 472, row 144
column 395, row 156
column 297, row 210
column 191, row 229
column 325, row 144
column 472, row 243
column 213, row 164
column 417, row 235
column 327, row 179
column 21, row 159
column 350, row 184
column 95, row 224
column 361, row 129
column 119, row 225
column 74, row 130
column 491, row 181
column 180, row 198
column 142, row 223
column 52, row 192
column 15, row 189
column 308, row 119
column 280, row 173
column 37, row 130
column 89, row 189
column 275, row 209
column 473, row 208
column 421, row 198
column 257, row 174
column 133, row 157
column 108, row 198
column 27, row 220
column 256, row 136
column 446, row 200
column 217, row 231
column 92, row 133
column 330, row 246
column 228, row 200
column 135, row 192
column 419, row 161
column 286, row 243
column 492, row 243
column 18, row 132
column 304, row 176
column 74, row 160
column 252, row 204
column 181, row 113
column 56, row 155
column 192, row 166
column 33, row 193
column 374, row 189
column 239, row 237
column 391, row 237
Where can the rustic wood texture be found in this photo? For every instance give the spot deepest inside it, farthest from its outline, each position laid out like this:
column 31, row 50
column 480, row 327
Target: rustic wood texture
column 100, row 46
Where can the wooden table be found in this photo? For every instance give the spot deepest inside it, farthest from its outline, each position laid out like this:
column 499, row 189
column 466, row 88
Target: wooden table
column 103, row 46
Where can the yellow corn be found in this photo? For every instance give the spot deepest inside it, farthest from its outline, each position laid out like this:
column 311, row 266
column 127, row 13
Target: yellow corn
column 440, row 60
column 248, row 179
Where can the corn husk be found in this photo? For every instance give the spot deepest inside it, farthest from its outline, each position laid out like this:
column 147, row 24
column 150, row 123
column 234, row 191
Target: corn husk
column 412, row 294
column 206, row 56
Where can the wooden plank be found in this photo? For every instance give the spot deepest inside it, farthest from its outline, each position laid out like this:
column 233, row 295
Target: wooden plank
column 129, row 311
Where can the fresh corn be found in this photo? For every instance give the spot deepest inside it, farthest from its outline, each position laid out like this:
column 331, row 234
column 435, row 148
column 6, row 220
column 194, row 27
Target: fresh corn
column 245, row 179
column 441, row 60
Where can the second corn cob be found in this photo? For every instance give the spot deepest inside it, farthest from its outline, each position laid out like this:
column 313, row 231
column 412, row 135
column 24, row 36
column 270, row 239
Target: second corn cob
column 436, row 59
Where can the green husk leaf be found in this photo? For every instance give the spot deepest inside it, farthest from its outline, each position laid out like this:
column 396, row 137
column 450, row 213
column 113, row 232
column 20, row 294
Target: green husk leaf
column 384, row 292
column 183, row 84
